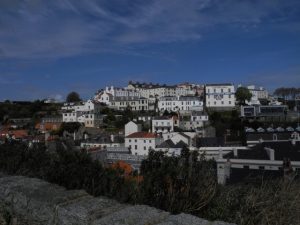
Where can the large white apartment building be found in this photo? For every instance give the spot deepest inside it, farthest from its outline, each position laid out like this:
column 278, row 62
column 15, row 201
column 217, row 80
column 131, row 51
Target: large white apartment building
column 152, row 91
column 87, row 113
column 180, row 103
column 134, row 103
column 140, row 143
column 110, row 93
column 219, row 95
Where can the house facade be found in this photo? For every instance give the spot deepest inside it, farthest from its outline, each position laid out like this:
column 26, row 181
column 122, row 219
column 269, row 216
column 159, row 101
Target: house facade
column 180, row 103
column 162, row 125
column 220, row 96
column 140, row 143
column 87, row 113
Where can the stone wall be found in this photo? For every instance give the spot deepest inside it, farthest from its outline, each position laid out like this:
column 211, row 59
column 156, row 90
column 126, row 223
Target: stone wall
column 35, row 202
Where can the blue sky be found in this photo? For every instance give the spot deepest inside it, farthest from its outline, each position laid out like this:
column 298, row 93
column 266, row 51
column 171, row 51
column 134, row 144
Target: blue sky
column 49, row 48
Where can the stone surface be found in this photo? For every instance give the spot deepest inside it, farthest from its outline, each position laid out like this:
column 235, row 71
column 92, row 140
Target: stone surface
column 36, row 202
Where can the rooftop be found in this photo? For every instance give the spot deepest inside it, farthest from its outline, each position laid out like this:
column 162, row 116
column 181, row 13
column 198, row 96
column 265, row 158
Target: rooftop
column 142, row 135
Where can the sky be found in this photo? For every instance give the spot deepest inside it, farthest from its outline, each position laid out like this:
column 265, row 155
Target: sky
column 50, row 48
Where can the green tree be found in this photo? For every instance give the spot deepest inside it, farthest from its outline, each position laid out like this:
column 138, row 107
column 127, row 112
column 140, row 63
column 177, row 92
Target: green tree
column 73, row 97
column 242, row 94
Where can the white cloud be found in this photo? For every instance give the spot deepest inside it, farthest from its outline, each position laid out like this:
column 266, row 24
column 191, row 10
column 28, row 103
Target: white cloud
column 62, row 28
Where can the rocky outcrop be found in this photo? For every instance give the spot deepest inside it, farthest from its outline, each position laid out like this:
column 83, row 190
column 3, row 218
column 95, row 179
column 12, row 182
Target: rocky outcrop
column 36, row 202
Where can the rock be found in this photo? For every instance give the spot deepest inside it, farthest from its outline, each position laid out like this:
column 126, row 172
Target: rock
column 36, row 202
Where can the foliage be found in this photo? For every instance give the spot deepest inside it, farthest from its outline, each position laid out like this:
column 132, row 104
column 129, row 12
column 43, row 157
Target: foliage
column 73, row 97
column 34, row 109
column 177, row 184
column 186, row 183
column 71, row 169
column 287, row 93
column 70, row 127
column 242, row 95
column 267, row 203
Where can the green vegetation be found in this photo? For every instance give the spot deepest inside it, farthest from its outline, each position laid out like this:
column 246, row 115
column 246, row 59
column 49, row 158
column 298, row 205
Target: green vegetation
column 242, row 95
column 34, row 110
column 287, row 93
column 73, row 97
column 176, row 184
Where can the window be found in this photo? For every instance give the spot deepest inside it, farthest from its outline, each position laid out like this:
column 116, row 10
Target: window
column 144, row 141
column 229, row 90
column 221, row 90
column 215, row 103
column 129, row 140
column 229, row 102
column 222, row 102
column 135, row 140
column 145, row 148
column 149, row 141
column 135, row 147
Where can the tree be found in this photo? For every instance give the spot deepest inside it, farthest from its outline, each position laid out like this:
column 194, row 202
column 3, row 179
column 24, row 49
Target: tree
column 242, row 94
column 73, row 97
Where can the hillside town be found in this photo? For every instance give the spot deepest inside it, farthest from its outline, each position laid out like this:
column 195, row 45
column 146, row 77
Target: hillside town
column 245, row 129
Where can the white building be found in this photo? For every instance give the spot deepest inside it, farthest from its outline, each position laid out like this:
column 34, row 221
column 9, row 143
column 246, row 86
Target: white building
column 180, row 103
column 162, row 125
column 132, row 127
column 107, row 95
column 134, row 103
column 196, row 122
column 220, row 96
column 140, row 143
column 152, row 91
column 257, row 94
column 87, row 113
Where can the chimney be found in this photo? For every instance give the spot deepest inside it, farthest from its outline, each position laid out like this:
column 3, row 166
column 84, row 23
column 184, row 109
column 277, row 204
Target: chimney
column 270, row 153
column 235, row 152
column 220, row 153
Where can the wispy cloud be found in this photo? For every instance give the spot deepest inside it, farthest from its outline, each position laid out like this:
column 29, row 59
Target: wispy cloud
column 63, row 28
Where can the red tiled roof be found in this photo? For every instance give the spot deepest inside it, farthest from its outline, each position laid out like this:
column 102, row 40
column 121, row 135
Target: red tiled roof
column 16, row 133
column 142, row 135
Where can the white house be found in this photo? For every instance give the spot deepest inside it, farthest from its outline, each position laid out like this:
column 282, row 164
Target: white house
column 257, row 94
column 196, row 122
column 134, row 103
column 162, row 125
column 140, row 143
column 180, row 103
column 220, row 96
column 87, row 113
column 132, row 127
column 110, row 93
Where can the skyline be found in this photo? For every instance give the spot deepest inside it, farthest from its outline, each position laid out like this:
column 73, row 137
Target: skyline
column 48, row 49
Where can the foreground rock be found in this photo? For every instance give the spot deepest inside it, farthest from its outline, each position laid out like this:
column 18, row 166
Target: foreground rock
column 36, row 202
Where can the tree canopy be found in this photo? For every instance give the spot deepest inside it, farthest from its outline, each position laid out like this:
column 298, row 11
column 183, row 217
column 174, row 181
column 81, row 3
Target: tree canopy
column 287, row 92
column 73, row 97
column 242, row 95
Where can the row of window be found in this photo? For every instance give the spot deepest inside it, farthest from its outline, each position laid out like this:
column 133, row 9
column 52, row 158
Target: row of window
column 218, row 96
column 182, row 103
column 150, row 141
column 222, row 90
column 222, row 103
column 135, row 147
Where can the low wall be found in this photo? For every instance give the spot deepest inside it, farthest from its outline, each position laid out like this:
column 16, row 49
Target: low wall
column 35, row 202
